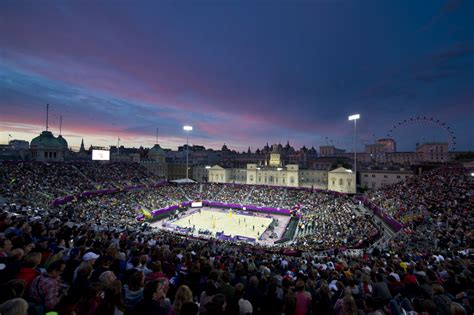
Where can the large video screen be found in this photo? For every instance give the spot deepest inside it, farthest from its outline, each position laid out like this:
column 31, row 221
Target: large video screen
column 100, row 155
column 196, row 204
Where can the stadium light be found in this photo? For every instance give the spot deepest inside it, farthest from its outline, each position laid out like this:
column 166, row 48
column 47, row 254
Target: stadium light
column 187, row 128
column 207, row 167
column 354, row 118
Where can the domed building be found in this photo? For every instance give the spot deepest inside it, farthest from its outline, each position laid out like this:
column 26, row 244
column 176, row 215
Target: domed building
column 63, row 141
column 46, row 147
column 65, row 146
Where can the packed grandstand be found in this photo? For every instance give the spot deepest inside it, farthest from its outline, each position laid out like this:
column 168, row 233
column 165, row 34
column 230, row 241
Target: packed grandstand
column 79, row 238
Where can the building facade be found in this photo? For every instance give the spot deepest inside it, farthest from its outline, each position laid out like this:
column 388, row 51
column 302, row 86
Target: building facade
column 389, row 144
column 155, row 162
column 274, row 173
column 342, row 180
column 330, row 150
column 434, row 152
column 200, row 173
column 47, row 148
column 375, row 179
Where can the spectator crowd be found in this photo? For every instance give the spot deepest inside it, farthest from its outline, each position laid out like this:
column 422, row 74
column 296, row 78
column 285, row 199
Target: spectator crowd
column 92, row 257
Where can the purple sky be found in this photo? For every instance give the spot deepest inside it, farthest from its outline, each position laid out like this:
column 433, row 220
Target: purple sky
column 242, row 73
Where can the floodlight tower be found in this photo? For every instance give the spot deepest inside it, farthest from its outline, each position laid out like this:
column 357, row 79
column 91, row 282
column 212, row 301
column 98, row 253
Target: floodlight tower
column 187, row 129
column 354, row 118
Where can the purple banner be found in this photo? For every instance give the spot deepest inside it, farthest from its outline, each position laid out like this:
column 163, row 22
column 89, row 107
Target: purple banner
column 394, row 224
column 208, row 203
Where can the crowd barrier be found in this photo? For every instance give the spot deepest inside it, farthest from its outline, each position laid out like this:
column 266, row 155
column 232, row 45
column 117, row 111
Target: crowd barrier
column 394, row 224
column 207, row 203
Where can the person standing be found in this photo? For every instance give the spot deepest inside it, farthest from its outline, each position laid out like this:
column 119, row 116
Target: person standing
column 303, row 299
column 46, row 288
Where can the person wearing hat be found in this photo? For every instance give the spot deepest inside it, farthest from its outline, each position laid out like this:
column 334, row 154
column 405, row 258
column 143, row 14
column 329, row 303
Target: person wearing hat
column 88, row 259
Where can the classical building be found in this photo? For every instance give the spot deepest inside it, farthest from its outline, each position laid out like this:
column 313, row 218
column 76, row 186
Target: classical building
column 342, row 180
column 273, row 173
column 375, row 179
column 46, row 147
column 218, row 174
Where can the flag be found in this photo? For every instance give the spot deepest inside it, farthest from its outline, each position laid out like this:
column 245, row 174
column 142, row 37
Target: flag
column 146, row 213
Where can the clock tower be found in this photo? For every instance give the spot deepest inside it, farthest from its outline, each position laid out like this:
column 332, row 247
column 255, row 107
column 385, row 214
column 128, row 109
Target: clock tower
column 275, row 159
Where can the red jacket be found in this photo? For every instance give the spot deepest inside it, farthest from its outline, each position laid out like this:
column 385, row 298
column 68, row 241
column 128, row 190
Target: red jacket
column 27, row 274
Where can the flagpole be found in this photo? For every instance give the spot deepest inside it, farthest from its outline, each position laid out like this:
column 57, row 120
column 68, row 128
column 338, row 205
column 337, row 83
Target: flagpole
column 47, row 116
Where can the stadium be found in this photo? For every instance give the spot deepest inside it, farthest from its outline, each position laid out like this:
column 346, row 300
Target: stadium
column 231, row 157
column 116, row 219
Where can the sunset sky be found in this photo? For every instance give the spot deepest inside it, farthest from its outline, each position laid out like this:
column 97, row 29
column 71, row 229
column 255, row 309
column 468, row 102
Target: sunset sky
column 241, row 72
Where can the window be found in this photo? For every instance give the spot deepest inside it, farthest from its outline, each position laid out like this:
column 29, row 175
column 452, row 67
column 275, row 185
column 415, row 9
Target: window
column 349, row 182
column 385, row 176
column 366, row 175
column 398, row 176
column 341, row 181
column 373, row 184
column 373, row 175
